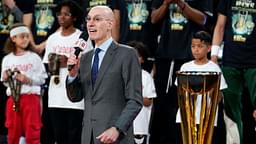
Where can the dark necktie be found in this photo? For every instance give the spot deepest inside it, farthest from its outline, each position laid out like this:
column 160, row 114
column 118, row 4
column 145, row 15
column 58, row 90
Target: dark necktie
column 95, row 65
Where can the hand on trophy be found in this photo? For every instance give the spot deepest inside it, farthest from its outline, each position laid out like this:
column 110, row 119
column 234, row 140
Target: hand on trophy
column 5, row 76
column 63, row 61
column 19, row 76
column 23, row 79
column 73, row 60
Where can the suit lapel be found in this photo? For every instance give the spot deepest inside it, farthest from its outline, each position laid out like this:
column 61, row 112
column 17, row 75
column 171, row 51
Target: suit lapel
column 88, row 58
column 107, row 60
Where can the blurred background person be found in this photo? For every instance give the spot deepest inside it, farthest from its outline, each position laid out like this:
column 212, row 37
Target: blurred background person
column 141, row 123
column 23, row 73
column 236, row 28
column 66, row 117
column 10, row 13
column 135, row 24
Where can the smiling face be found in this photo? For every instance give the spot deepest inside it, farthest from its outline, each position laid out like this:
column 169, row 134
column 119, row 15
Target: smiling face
column 199, row 50
column 99, row 24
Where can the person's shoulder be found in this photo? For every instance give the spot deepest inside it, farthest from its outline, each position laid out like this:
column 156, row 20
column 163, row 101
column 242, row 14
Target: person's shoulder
column 78, row 32
column 122, row 45
column 214, row 65
column 122, row 48
column 147, row 76
column 189, row 62
column 126, row 47
column 186, row 64
column 9, row 55
column 145, row 73
column 33, row 55
column 54, row 35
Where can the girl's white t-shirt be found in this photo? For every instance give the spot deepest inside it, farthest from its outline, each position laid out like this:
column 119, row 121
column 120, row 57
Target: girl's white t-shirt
column 62, row 45
column 210, row 66
column 29, row 64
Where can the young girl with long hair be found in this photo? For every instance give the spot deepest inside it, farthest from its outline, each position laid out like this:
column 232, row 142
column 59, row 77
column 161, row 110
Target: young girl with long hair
column 22, row 73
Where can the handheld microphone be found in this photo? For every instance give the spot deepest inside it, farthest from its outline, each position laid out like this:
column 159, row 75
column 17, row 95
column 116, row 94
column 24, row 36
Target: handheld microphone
column 77, row 52
column 81, row 44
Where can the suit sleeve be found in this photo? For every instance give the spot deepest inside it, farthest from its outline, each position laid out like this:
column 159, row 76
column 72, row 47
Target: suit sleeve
column 131, row 73
column 74, row 88
column 74, row 91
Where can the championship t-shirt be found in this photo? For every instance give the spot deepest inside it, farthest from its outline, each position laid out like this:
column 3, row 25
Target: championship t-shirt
column 177, row 30
column 44, row 19
column 136, row 24
column 239, row 41
column 7, row 19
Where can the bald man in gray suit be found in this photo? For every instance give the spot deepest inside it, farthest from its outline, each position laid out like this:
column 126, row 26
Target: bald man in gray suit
column 114, row 99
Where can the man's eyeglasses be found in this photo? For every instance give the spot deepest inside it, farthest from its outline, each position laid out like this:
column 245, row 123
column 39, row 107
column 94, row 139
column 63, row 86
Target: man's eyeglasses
column 64, row 14
column 95, row 19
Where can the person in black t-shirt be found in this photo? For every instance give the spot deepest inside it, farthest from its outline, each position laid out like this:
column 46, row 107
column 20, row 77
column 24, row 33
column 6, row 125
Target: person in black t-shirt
column 180, row 19
column 236, row 28
column 136, row 25
column 43, row 22
column 10, row 13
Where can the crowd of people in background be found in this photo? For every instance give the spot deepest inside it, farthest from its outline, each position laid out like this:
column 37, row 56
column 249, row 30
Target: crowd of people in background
column 98, row 98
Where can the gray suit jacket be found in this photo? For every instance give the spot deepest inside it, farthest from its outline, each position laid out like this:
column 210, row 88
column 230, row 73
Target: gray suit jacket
column 117, row 95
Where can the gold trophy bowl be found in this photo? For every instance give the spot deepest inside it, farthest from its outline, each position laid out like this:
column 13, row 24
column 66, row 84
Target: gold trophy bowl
column 191, row 85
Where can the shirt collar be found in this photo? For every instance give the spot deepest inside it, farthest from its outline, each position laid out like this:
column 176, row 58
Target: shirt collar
column 104, row 46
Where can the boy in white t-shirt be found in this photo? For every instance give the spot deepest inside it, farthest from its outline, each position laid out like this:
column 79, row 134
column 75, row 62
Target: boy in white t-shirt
column 142, row 121
column 200, row 47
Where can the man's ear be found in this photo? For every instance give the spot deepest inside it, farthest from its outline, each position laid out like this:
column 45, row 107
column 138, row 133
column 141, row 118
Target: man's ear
column 110, row 24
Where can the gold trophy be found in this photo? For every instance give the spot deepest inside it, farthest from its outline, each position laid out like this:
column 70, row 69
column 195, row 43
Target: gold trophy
column 54, row 67
column 56, row 61
column 190, row 86
column 15, row 87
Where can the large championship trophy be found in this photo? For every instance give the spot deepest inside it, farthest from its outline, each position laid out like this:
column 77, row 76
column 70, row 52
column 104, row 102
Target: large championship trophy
column 191, row 85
